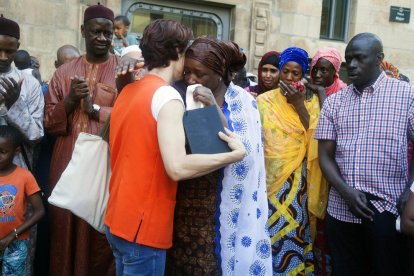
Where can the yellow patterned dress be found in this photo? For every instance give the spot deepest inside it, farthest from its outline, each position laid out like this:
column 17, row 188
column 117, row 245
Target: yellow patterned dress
column 297, row 192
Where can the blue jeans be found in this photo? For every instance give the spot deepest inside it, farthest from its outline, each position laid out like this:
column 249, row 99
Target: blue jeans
column 13, row 259
column 136, row 259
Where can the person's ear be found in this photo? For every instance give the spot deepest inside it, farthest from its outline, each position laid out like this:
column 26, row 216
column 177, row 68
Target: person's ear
column 18, row 150
column 179, row 54
column 380, row 57
column 18, row 44
column 56, row 64
column 83, row 30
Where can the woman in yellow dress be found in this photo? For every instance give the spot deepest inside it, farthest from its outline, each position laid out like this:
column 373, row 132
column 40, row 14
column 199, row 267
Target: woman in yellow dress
column 297, row 193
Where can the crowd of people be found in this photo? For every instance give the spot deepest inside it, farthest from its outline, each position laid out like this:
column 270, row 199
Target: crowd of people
column 317, row 179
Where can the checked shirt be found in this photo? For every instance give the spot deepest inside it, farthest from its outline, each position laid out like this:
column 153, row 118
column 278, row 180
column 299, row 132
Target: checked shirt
column 371, row 130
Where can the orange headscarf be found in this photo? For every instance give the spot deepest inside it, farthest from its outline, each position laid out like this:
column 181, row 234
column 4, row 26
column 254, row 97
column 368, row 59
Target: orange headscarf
column 390, row 70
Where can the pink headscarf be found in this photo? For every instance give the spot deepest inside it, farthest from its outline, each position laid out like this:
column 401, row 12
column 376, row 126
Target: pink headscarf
column 333, row 56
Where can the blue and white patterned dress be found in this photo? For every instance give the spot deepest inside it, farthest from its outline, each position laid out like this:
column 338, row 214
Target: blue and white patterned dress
column 242, row 239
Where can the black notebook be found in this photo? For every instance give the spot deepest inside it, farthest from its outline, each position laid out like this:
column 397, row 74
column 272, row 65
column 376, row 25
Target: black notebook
column 201, row 127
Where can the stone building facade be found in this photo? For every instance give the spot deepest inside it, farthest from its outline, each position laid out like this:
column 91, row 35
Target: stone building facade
column 45, row 25
column 256, row 25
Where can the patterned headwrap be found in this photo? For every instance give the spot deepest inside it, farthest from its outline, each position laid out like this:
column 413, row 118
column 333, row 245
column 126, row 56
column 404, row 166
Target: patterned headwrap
column 223, row 57
column 297, row 55
column 403, row 77
column 334, row 57
column 390, row 69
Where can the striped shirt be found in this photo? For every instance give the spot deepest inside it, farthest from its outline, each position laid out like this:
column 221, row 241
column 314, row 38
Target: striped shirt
column 371, row 130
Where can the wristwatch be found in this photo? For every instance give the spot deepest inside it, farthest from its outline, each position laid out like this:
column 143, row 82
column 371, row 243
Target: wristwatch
column 95, row 109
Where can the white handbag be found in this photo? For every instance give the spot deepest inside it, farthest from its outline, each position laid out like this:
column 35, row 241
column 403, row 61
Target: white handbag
column 83, row 186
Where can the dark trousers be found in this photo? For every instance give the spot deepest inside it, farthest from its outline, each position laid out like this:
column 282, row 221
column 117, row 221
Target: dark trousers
column 370, row 248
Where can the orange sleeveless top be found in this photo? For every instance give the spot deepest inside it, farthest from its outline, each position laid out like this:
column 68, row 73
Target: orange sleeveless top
column 141, row 194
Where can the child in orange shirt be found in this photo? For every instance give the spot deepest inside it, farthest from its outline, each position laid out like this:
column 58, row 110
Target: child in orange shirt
column 17, row 187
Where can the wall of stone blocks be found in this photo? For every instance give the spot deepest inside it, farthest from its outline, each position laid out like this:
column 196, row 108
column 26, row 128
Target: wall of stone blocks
column 257, row 26
column 398, row 38
column 278, row 24
column 45, row 25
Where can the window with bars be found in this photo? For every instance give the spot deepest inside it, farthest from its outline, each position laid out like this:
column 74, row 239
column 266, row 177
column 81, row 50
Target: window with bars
column 202, row 23
column 334, row 21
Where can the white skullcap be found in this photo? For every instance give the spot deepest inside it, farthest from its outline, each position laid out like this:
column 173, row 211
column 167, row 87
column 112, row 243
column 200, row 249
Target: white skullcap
column 131, row 49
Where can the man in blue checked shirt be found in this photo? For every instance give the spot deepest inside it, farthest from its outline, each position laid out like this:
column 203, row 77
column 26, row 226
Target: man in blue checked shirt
column 363, row 132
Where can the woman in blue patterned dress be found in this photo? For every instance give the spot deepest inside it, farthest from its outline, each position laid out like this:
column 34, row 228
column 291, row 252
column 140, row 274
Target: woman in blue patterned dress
column 241, row 244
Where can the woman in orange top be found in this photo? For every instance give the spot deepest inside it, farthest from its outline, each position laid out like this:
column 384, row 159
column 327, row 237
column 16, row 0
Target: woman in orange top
column 147, row 145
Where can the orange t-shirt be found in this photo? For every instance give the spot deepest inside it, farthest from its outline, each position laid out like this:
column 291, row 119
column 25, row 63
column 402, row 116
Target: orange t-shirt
column 14, row 189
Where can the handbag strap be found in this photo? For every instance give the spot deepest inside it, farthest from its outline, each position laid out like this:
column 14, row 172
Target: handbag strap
column 104, row 132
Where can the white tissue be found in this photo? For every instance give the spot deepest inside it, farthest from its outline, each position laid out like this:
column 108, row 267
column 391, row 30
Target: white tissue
column 189, row 98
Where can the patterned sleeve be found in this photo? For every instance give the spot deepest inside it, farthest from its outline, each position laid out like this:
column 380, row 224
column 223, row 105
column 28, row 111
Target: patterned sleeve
column 26, row 114
column 31, row 187
column 410, row 130
column 325, row 129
